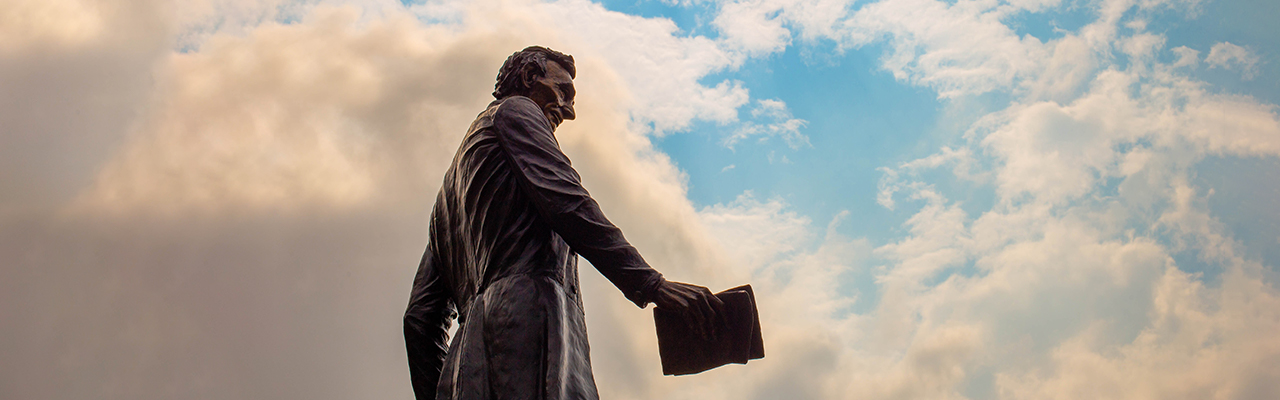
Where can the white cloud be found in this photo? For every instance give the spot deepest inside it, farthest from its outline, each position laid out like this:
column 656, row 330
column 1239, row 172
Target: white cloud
column 771, row 119
column 314, row 113
column 955, row 49
column 1187, row 57
column 800, row 292
column 749, row 26
column 1056, row 254
column 198, row 20
column 891, row 182
column 62, row 23
column 761, row 231
column 1232, row 57
column 1071, row 281
column 762, row 27
column 663, row 68
column 1202, row 342
column 1064, row 284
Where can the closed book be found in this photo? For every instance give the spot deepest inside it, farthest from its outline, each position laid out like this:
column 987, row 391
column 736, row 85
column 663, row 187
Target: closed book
column 684, row 351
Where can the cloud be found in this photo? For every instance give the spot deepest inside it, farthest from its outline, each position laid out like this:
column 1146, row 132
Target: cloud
column 75, row 73
column 246, row 123
column 663, row 67
column 1201, row 342
column 1071, row 275
column 892, row 181
column 799, row 279
column 778, row 122
column 748, row 26
column 762, row 27
column 65, row 23
column 1063, row 286
column 200, row 20
column 1232, row 57
column 1187, row 57
column 926, row 49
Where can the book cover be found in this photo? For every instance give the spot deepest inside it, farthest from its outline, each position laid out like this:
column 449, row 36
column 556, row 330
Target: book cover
column 685, row 352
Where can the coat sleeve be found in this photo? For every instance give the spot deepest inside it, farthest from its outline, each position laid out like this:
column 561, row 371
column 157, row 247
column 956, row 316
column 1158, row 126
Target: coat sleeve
column 426, row 325
column 550, row 182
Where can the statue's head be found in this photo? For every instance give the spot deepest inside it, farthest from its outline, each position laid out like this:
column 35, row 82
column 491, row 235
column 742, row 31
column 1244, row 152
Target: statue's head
column 541, row 74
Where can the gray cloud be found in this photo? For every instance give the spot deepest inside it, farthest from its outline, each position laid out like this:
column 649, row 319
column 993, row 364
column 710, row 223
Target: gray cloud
column 256, row 306
column 74, row 78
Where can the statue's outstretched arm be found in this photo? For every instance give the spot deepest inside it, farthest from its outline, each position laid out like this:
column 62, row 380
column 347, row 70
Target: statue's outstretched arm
column 550, row 182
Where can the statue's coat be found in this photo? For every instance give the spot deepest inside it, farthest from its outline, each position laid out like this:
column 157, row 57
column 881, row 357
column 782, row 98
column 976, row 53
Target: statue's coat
column 509, row 220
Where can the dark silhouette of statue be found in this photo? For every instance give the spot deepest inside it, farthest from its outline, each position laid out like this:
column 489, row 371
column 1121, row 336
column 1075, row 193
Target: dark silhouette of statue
column 507, row 227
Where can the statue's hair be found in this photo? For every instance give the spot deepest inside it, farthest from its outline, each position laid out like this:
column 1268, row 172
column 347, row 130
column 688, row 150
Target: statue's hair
column 510, row 80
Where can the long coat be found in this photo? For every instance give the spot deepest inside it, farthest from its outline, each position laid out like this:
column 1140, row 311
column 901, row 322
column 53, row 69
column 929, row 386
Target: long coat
column 507, row 225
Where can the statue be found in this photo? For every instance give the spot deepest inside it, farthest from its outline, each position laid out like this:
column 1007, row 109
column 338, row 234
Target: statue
column 508, row 224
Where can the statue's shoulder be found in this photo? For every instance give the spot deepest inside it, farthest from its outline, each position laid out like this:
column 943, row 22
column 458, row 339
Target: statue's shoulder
column 516, row 106
column 519, row 113
column 506, row 108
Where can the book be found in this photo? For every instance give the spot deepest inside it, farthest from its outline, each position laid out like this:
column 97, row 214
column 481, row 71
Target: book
column 683, row 351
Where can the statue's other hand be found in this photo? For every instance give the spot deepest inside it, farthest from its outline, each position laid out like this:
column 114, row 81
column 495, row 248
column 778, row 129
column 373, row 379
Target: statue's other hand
column 701, row 309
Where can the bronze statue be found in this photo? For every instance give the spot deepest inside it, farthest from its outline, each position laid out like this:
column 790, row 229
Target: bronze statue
column 507, row 226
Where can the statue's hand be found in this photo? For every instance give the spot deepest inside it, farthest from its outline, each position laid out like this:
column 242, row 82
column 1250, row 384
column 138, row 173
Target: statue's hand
column 701, row 309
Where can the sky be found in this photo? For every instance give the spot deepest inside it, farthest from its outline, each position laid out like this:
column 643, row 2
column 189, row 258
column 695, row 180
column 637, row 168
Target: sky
column 963, row 199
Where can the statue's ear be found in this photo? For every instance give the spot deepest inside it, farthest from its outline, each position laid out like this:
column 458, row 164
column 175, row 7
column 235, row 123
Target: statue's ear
column 529, row 74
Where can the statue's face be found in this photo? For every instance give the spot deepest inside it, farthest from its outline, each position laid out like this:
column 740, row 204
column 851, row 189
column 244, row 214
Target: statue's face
column 553, row 91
